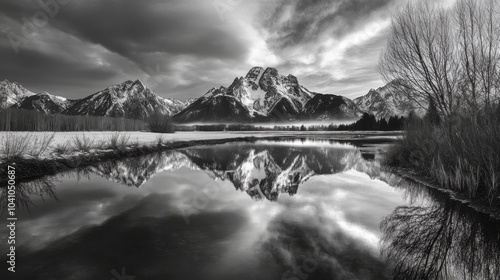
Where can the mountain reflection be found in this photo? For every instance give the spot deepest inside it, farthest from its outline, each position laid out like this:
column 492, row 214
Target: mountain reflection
column 445, row 239
column 263, row 171
column 330, row 231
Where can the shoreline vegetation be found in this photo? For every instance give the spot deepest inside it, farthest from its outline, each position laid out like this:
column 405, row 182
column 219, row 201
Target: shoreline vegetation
column 449, row 59
column 413, row 180
column 24, row 151
column 38, row 154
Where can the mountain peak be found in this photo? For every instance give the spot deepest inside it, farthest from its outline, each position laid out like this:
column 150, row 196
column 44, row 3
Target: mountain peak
column 139, row 82
column 11, row 84
column 271, row 71
column 12, row 93
column 255, row 73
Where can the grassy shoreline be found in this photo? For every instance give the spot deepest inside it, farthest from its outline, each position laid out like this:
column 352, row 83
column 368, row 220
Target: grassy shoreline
column 418, row 180
column 29, row 169
column 83, row 153
column 463, row 156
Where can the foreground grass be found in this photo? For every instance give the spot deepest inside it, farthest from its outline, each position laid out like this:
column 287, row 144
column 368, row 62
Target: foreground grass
column 18, row 146
column 462, row 156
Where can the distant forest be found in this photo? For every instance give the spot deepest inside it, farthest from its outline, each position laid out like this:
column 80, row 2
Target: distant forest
column 28, row 120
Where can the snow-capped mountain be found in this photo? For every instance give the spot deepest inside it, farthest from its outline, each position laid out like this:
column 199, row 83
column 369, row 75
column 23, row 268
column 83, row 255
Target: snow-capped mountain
column 265, row 95
column 260, row 90
column 45, row 103
column 388, row 101
column 130, row 99
column 12, row 93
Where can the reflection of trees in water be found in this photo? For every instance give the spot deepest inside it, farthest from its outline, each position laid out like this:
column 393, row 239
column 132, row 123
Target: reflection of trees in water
column 443, row 239
column 44, row 188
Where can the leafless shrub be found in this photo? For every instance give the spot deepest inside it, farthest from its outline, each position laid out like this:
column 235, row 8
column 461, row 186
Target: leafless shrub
column 159, row 140
column 15, row 145
column 83, row 143
column 118, row 140
column 62, row 148
column 40, row 144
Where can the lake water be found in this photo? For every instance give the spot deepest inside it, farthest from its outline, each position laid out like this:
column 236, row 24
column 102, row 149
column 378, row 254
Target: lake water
column 308, row 209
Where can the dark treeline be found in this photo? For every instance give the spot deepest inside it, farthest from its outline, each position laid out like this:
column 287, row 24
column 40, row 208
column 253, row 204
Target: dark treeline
column 370, row 123
column 366, row 123
column 27, row 120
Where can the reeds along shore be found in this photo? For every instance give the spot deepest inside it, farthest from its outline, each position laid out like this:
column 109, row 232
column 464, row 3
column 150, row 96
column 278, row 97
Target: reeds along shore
column 462, row 154
column 29, row 145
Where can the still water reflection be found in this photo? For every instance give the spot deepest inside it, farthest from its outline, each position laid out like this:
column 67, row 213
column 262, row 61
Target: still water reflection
column 265, row 210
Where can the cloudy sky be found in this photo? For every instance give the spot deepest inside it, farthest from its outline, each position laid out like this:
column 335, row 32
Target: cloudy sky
column 182, row 48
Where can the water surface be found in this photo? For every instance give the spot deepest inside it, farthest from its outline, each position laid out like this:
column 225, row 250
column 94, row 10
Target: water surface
column 309, row 209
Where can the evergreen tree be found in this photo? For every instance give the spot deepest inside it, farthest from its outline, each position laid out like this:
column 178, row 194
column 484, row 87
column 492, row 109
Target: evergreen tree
column 432, row 116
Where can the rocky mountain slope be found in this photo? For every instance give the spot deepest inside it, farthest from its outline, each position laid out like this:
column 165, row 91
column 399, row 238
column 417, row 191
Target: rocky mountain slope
column 12, row 93
column 45, row 103
column 130, row 99
column 267, row 95
column 388, row 101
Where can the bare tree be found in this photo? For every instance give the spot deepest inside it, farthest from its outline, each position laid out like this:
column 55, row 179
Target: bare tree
column 447, row 56
column 479, row 51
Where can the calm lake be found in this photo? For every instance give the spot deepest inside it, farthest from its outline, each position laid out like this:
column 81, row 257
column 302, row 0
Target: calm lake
column 302, row 209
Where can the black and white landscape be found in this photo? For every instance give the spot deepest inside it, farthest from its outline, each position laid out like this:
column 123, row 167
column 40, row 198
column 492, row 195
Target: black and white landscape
column 261, row 96
column 229, row 139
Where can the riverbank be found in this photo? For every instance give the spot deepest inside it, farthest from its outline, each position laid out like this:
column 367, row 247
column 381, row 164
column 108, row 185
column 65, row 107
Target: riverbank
column 418, row 180
column 461, row 155
column 87, row 148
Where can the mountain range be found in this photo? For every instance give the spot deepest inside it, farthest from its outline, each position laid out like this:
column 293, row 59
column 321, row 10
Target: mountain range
column 130, row 99
column 263, row 95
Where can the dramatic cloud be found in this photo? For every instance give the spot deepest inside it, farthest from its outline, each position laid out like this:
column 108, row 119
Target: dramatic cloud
column 183, row 48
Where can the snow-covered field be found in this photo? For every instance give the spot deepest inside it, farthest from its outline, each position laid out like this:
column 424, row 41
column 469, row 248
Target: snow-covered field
column 140, row 137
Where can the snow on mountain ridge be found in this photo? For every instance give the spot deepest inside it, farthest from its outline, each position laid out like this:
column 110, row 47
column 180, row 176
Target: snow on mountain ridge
column 12, row 93
column 388, row 101
column 261, row 89
column 130, row 99
column 115, row 100
column 266, row 96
